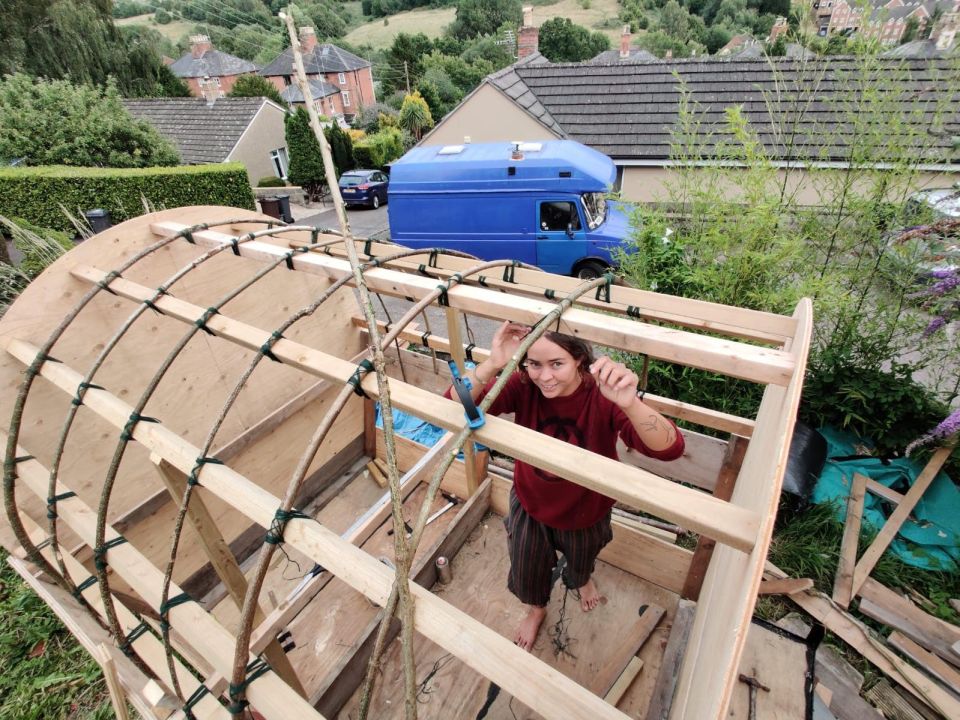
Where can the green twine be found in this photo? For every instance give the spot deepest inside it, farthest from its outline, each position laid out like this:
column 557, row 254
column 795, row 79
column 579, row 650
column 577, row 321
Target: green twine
column 193, row 700
column 603, row 291
column 267, row 348
column 255, row 669
column 363, row 368
column 201, row 461
column 78, row 399
column 53, row 500
column 89, row 582
column 100, row 552
column 126, row 647
column 633, row 311
column 549, row 294
column 201, row 322
column 274, row 535
column 171, row 603
column 135, row 417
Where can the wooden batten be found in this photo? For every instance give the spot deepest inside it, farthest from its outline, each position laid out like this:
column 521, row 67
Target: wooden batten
column 283, row 403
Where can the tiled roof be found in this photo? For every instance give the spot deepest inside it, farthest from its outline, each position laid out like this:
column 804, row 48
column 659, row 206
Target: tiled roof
column 325, row 58
column 213, row 63
column 318, row 89
column 202, row 133
column 629, row 111
column 920, row 49
column 636, row 55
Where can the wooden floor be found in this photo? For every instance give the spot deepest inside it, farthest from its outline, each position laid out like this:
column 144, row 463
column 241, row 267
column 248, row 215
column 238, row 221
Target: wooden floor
column 449, row 689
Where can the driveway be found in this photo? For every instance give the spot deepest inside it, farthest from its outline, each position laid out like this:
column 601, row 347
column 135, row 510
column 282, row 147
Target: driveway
column 364, row 222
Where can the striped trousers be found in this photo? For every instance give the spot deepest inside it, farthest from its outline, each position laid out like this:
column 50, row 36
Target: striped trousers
column 534, row 550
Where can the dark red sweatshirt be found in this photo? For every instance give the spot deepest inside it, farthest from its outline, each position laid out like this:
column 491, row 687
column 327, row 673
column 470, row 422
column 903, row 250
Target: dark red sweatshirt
column 585, row 419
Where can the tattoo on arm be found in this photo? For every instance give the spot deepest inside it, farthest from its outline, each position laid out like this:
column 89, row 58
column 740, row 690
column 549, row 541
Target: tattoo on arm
column 653, row 424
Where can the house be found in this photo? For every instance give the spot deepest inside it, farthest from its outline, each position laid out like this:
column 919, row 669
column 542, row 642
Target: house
column 629, row 112
column 208, row 71
column 738, row 44
column 245, row 130
column 626, row 54
column 886, row 19
column 345, row 80
column 941, row 43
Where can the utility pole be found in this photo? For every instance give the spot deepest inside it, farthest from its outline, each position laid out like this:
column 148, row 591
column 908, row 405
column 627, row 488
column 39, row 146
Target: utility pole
column 328, row 167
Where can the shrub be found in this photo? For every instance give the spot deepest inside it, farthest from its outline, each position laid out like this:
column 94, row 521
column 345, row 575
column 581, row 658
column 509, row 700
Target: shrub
column 271, row 181
column 40, row 194
column 376, row 150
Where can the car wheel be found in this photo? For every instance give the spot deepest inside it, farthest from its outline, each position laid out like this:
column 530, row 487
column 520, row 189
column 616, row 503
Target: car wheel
column 376, row 201
column 589, row 270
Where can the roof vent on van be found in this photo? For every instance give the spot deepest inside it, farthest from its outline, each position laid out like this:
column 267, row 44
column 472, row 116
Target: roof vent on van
column 531, row 147
column 450, row 150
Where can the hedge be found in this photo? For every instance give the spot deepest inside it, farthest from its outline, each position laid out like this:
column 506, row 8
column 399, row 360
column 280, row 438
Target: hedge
column 375, row 151
column 36, row 194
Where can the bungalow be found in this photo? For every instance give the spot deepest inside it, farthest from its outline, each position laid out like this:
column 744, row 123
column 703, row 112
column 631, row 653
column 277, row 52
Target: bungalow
column 245, row 130
column 208, row 71
column 629, row 112
column 341, row 82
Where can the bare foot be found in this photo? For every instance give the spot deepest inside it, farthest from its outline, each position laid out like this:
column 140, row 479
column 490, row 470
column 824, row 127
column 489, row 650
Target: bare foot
column 529, row 627
column 590, row 597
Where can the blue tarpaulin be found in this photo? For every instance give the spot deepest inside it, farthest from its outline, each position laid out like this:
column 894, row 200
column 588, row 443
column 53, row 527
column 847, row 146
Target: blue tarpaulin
column 930, row 537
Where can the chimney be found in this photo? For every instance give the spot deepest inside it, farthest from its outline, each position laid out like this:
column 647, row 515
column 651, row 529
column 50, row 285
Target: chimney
column 210, row 90
column 308, row 40
column 778, row 29
column 528, row 39
column 199, row 44
column 625, row 42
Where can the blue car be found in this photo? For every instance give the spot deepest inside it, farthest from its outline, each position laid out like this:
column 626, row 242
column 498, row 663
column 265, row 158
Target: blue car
column 364, row 187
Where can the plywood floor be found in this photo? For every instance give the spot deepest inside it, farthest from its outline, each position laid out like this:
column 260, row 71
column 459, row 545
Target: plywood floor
column 449, row 689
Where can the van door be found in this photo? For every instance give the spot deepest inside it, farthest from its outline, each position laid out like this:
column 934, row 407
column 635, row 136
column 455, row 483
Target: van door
column 561, row 235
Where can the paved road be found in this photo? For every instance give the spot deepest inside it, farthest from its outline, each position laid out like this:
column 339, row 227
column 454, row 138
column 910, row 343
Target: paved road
column 364, row 222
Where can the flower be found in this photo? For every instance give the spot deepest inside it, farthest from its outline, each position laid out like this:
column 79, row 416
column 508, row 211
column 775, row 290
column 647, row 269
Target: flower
column 948, row 427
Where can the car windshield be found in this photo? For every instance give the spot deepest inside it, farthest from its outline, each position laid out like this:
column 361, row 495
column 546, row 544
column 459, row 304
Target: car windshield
column 595, row 206
column 351, row 180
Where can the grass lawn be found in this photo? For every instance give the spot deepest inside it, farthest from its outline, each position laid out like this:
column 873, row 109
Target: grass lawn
column 431, row 22
column 173, row 31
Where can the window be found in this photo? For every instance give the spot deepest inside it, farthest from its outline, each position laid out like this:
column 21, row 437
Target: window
column 341, row 78
column 346, row 98
column 558, row 216
column 280, row 164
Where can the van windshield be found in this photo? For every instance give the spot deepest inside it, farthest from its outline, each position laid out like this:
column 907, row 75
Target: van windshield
column 595, row 207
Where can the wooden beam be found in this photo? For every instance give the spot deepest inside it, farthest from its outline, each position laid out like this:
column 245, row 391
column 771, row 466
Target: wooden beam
column 736, row 359
column 723, row 490
column 109, row 668
column 883, row 491
column 619, row 657
column 272, row 697
column 699, row 314
column 787, row 586
column 890, row 528
column 620, row 687
column 942, row 671
column 485, row 651
column 667, row 406
column 884, row 605
column 456, row 350
column 662, row 698
column 223, row 561
column 843, row 582
column 689, row 508
column 857, row 636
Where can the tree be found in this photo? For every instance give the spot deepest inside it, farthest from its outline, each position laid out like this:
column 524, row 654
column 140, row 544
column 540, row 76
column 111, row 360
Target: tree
column 415, row 115
column 675, row 21
column 53, row 122
column 403, row 61
column 910, row 30
column 306, row 163
column 169, row 85
column 341, row 149
column 483, row 17
column 256, row 86
column 561, row 40
column 715, row 38
column 778, row 48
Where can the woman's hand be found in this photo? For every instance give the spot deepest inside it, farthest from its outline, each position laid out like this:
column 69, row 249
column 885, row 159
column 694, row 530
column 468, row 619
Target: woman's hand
column 616, row 381
column 505, row 343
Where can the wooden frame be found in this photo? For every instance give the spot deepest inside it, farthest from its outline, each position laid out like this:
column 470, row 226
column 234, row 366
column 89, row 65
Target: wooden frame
column 320, row 355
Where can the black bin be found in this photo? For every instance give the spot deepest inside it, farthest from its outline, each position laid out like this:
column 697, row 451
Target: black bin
column 98, row 219
column 270, row 205
column 284, row 201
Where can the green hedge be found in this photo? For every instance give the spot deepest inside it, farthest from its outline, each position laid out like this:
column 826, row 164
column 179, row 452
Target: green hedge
column 375, row 151
column 37, row 193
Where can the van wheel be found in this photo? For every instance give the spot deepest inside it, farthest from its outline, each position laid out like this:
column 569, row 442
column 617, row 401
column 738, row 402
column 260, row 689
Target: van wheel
column 589, row 270
column 376, row 201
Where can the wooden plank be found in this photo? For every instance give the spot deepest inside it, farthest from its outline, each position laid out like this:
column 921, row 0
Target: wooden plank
column 857, row 636
column 117, row 698
column 456, row 350
column 893, row 705
column 725, row 522
column 666, row 406
column 884, row 605
column 268, row 693
column 884, row 492
column 662, row 698
column 223, row 561
column 145, row 509
column 750, row 324
column 619, row 656
column 623, row 682
column 934, row 666
column 787, row 586
column 890, row 528
column 748, row 362
column 723, row 490
column 159, row 701
column 843, row 582
column 699, row 465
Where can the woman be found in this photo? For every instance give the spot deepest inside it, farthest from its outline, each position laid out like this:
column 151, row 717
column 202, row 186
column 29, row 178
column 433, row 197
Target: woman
column 561, row 391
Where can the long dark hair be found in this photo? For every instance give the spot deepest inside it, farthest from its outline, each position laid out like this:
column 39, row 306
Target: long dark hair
column 580, row 349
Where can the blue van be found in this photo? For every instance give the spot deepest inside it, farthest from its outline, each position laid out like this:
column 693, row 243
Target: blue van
column 542, row 203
